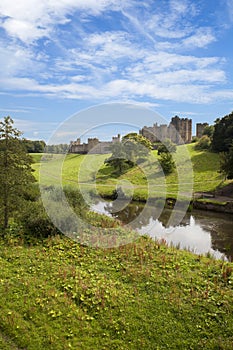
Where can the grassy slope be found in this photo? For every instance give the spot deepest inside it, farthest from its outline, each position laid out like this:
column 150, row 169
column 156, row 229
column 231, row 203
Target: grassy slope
column 205, row 168
column 60, row 295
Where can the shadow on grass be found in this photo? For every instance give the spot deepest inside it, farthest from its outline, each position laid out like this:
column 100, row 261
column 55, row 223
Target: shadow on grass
column 205, row 161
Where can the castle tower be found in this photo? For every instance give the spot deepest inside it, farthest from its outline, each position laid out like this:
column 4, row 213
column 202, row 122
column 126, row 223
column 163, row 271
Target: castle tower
column 200, row 128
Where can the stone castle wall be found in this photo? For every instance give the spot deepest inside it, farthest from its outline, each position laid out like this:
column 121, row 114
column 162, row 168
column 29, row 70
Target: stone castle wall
column 178, row 131
column 93, row 146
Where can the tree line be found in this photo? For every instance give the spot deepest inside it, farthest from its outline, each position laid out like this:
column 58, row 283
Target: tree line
column 39, row 146
column 219, row 138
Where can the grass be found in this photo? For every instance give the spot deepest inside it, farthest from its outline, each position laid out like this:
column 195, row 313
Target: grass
column 90, row 171
column 60, row 295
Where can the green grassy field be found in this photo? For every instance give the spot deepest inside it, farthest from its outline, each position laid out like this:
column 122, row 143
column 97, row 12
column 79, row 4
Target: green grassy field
column 90, row 170
column 60, row 295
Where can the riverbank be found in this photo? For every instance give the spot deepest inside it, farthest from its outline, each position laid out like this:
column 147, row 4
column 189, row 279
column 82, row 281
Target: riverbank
column 60, row 295
column 134, row 182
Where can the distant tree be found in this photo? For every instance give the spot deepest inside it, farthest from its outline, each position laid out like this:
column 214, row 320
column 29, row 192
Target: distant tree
column 118, row 159
column 204, row 143
column 166, row 162
column 59, row 149
column 131, row 150
column 167, row 147
column 136, row 147
column 15, row 169
column 223, row 133
column 226, row 163
column 34, row 146
column 209, row 131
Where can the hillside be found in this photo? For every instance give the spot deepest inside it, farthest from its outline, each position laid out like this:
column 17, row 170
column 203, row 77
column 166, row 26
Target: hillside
column 90, row 170
column 60, row 295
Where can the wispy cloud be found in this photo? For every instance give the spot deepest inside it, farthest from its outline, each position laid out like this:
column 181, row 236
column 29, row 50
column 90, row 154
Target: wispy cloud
column 118, row 50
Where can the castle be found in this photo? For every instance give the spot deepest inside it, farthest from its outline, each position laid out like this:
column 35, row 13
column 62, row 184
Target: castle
column 200, row 129
column 178, row 131
column 93, row 146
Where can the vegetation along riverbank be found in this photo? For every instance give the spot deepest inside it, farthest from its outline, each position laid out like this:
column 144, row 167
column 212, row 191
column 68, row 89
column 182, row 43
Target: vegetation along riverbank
column 58, row 294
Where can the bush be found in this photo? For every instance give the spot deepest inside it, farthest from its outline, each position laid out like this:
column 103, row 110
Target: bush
column 204, row 143
column 35, row 220
column 167, row 163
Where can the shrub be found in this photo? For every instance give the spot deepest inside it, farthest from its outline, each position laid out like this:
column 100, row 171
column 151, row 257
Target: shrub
column 204, row 143
column 167, row 163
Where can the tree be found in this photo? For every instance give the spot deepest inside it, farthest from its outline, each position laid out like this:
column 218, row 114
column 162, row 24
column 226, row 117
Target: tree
column 226, row 163
column 209, row 131
column 203, row 143
column 118, row 158
column 167, row 147
column 34, row 146
column 133, row 149
column 136, row 147
column 15, row 169
column 166, row 162
column 223, row 133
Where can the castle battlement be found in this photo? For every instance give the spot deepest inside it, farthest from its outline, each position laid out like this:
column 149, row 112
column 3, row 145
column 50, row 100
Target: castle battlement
column 93, row 146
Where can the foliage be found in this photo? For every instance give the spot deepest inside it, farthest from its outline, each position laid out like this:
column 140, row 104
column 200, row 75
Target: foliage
column 205, row 167
column 167, row 163
column 31, row 146
column 137, row 139
column 61, row 148
column 60, row 295
column 165, row 151
column 133, row 149
column 223, row 134
column 167, row 147
column 209, row 131
column 118, row 159
column 15, row 169
column 226, row 163
column 194, row 139
column 204, row 143
column 33, row 216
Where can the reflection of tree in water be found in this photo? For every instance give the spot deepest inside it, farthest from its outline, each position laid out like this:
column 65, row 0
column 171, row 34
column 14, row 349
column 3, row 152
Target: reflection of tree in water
column 126, row 215
column 219, row 226
column 131, row 214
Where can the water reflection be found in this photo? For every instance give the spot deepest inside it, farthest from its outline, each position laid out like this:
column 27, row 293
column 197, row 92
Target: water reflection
column 200, row 232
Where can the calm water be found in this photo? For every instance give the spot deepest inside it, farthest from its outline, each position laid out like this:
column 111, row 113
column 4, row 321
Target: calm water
column 199, row 231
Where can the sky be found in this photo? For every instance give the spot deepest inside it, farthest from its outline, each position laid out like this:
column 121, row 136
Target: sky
column 63, row 58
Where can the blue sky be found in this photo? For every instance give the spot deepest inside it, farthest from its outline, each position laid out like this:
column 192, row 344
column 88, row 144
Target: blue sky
column 61, row 57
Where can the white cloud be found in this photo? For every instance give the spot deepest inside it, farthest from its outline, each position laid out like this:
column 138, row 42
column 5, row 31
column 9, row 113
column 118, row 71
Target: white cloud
column 150, row 61
column 229, row 4
column 30, row 20
column 16, row 60
column 201, row 38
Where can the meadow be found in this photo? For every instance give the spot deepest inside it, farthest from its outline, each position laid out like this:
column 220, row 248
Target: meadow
column 58, row 294
column 196, row 171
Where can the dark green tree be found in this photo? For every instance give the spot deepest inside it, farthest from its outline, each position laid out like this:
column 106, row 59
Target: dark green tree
column 118, row 159
column 34, row 146
column 131, row 150
column 223, row 134
column 204, row 143
column 166, row 162
column 226, row 163
column 167, row 147
column 15, row 170
column 209, row 131
column 137, row 147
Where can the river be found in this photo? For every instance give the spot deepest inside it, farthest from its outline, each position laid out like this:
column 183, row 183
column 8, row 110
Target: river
column 201, row 232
